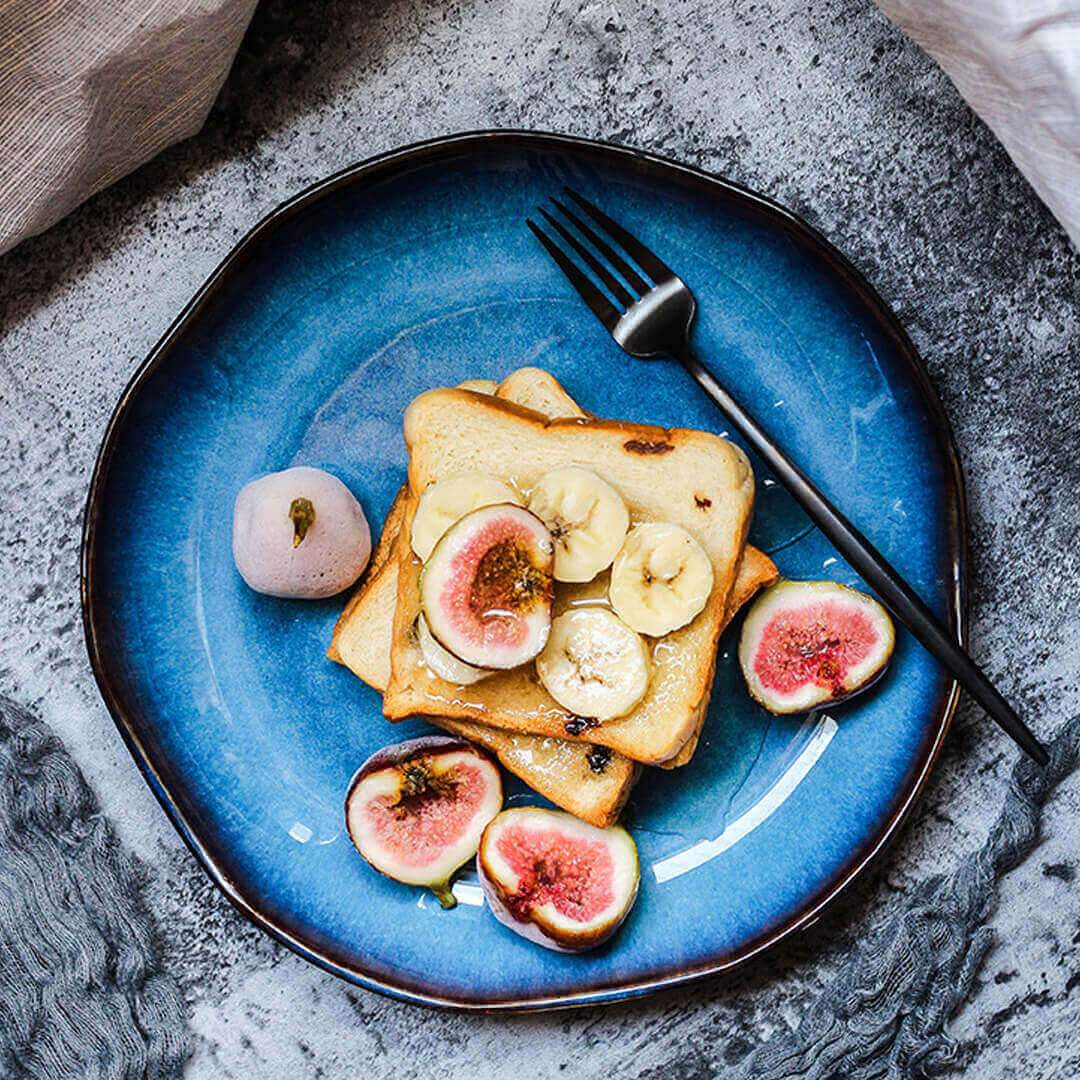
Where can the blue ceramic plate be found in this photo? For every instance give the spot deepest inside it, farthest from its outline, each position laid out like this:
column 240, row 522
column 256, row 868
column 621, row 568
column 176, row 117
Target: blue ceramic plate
column 416, row 270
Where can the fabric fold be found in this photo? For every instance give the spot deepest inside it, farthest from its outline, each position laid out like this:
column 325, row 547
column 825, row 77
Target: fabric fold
column 1017, row 64
column 82, row 990
column 92, row 89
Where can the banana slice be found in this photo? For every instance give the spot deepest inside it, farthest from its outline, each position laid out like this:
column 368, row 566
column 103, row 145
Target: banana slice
column 444, row 663
column 660, row 580
column 449, row 500
column 479, row 386
column 587, row 519
column 594, row 664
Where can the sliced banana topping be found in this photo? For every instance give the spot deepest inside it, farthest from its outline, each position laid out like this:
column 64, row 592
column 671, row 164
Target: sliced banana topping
column 594, row 664
column 660, row 580
column 444, row 663
column 449, row 500
column 587, row 519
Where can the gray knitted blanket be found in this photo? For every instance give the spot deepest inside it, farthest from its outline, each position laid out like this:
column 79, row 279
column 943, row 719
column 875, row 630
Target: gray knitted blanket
column 885, row 1014
column 82, row 993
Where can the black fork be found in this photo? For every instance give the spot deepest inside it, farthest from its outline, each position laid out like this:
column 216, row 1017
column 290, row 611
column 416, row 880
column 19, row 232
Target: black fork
column 648, row 309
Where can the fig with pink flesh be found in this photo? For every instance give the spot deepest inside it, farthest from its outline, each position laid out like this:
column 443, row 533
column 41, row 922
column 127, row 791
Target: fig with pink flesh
column 416, row 810
column 486, row 589
column 805, row 644
column 556, row 880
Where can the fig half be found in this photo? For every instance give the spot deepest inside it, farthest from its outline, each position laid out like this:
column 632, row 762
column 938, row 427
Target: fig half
column 486, row 589
column 805, row 644
column 556, row 880
column 416, row 810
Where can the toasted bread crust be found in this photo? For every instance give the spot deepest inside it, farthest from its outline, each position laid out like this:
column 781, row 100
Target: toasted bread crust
column 385, row 554
column 755, row 572
column 539, row 390
column 574, row 776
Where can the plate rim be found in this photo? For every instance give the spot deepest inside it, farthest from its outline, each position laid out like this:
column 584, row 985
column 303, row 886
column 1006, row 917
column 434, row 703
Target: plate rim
column 957, row 524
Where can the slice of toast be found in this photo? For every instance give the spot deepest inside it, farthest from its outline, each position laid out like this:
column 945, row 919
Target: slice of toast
column 363, row 634
column 453, row 431
column 358, row 642
column 591, row 782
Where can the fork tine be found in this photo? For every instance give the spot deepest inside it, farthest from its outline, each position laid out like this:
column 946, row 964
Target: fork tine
column 598, row 303
column 631, row 244
column 605, row 249
column 594, row 264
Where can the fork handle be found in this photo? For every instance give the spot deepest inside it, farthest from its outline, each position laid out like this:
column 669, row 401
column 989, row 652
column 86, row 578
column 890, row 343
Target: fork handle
column 867, row 561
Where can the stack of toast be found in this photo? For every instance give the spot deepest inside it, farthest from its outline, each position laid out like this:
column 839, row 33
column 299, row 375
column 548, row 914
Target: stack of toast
column 518, row 430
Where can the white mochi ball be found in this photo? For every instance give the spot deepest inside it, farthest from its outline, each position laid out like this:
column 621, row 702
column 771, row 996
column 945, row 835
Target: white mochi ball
column 299, row 533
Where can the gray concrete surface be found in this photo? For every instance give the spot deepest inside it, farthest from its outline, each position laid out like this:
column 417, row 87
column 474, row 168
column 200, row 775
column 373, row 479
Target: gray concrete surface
column 820, row 103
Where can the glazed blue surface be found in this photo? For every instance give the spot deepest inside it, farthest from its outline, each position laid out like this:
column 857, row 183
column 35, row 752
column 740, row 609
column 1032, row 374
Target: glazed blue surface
column 308, row 351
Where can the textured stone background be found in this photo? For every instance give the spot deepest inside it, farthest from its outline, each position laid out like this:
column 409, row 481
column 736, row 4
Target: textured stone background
column 820, row 103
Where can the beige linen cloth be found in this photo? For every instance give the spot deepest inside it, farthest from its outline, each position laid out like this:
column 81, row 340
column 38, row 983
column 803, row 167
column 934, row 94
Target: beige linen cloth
column 90, row 89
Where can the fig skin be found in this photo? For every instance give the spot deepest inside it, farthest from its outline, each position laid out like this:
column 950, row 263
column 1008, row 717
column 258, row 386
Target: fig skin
column 393, row 758
column 532, row 924
column 397, row 754
column 778, row 598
